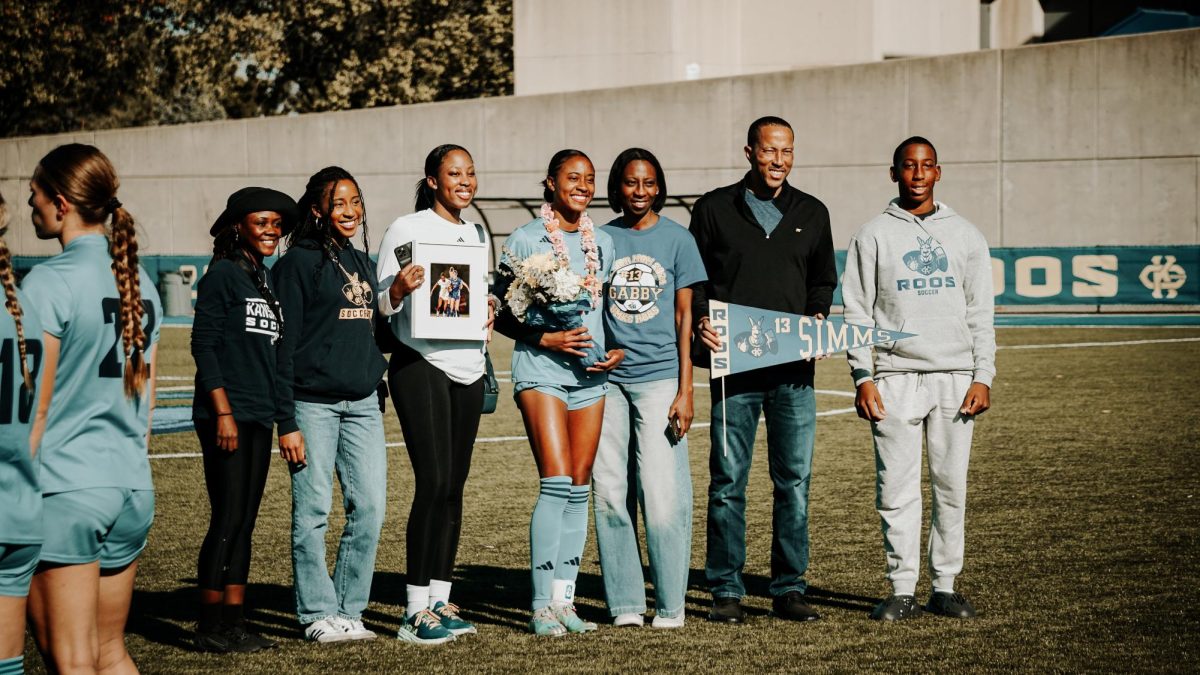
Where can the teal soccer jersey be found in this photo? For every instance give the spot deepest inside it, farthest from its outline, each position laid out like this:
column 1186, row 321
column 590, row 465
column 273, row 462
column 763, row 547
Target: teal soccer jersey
column 95, row 436
column 20, row 498
column 532, row 364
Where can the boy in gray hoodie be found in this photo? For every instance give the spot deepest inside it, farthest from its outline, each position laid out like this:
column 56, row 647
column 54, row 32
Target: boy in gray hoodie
column 921, row 268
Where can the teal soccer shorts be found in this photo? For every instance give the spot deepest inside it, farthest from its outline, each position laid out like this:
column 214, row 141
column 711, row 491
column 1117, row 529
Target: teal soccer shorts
column 17, row 564
column 105, row 524
column 576, row 398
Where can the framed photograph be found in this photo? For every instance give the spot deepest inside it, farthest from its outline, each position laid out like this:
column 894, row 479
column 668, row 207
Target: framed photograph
column 452, row 302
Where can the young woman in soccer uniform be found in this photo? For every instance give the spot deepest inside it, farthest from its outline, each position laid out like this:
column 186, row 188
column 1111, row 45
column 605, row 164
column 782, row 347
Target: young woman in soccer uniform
column 20, row 497
column 235, row 335
column 648, row 410
column 330, row 373
column 437, row 389
column 100, row 318
column 560, row 381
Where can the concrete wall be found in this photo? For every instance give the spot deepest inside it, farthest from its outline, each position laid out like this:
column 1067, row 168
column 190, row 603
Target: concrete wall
column 1091, row 142
column 573, row 45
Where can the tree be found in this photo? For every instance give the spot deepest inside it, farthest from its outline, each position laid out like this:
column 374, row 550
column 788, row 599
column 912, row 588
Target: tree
column 109, row 64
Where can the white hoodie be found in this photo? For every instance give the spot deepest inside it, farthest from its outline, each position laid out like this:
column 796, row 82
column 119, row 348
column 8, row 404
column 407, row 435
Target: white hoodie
column 930, row 278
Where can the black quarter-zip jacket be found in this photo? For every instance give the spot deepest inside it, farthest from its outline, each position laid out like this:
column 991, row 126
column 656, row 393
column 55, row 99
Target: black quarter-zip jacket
column 791, row 270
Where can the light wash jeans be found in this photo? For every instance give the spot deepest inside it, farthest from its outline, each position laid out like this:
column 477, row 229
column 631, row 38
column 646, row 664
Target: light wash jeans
column 637, row 464
column 790, row 409
column 347, row 437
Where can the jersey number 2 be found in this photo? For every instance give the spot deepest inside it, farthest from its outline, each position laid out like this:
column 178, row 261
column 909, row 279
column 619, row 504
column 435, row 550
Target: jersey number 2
column 111, row 365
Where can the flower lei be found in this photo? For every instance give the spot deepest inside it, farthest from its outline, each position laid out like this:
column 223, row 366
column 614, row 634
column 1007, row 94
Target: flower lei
column 591, row 253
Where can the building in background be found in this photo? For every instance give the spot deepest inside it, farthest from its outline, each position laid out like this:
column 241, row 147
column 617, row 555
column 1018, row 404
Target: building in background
column 574, row 45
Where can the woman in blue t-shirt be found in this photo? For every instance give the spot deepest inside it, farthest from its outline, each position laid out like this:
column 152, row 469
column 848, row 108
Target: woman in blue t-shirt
column 648, row 310
column 559, row 378
column 20, row 498
column 99, row 313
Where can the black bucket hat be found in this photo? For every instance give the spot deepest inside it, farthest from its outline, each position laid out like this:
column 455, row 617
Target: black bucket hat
column 253, row 200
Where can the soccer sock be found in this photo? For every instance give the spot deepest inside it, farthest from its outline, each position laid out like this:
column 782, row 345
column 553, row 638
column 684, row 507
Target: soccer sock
column 574, row 536
column 232, row 615
column 210, row 617
column 439, row 591
column 545, row 528
column 13, row 666
column 418, row 600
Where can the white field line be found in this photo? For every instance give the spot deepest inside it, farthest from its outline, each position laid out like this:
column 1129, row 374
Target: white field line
column 1116, row 343
column 702, row 425
column 492, row 439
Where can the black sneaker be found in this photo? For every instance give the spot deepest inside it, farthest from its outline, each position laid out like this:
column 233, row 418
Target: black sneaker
column 245, row 641
column 897, row 608
column 727, row 610
column 950, row 604
column 792, row 606
column 224, row 640
column 214, row 641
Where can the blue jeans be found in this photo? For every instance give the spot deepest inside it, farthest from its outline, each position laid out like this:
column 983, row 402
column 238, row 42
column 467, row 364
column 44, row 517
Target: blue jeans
column 790, row 411
column 638, row 464
column 347, row 437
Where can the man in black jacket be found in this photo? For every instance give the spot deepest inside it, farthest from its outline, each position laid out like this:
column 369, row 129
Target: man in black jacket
column 764, row 244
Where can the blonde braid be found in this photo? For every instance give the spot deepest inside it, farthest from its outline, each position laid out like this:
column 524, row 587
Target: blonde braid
column 123, row 249
column 10, row 297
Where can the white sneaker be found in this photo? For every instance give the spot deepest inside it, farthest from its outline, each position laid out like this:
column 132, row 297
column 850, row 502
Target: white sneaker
column 630, row 619
column 355, row 629
column 328, row 629
column 667, row 622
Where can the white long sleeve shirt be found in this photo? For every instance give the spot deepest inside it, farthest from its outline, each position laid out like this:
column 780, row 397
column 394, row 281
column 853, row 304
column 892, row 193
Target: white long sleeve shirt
column 461, row 360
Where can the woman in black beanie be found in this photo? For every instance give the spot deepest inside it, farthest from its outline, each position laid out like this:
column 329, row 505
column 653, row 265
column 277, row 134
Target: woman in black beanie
column 237, row 327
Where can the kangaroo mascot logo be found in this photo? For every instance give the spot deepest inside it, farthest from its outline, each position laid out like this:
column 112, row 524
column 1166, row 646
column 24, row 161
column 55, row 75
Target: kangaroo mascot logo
column 927, row 259
column 756, row 341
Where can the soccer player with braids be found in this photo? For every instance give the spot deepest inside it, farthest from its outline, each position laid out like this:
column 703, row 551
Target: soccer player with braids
column 99, row 316
column 331, row 371
column 20, row 498
column 235, row 336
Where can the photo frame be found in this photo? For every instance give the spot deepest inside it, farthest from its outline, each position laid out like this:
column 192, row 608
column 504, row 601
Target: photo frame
column 451, row 304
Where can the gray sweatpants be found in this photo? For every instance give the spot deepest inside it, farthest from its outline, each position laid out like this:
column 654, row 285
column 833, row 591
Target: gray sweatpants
column 922, row 405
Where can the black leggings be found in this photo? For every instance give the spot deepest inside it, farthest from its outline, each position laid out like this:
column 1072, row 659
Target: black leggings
column 439, row 418
column 235, row 482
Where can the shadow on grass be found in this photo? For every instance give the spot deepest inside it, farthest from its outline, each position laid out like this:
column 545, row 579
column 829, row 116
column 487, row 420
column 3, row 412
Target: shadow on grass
column 492, row 595
column 169, row 617
column 488, row 595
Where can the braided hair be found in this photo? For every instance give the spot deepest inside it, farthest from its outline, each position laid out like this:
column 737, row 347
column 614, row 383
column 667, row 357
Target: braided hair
column 85, row 177
column 8, row 281
column 318, row 196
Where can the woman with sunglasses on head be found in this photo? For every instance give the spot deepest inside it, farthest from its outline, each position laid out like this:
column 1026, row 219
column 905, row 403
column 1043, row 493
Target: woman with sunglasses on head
column 560, row 380
column 330, row 373
column 437, row 389
column 100, row 318
column 643, row 457
column 235, row 337
column 20, row 497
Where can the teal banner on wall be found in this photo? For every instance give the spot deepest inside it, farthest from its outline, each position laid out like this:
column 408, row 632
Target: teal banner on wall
column 1083, row 275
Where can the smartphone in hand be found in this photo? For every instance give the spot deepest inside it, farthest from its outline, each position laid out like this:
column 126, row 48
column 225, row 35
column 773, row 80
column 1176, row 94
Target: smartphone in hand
column 403, row 254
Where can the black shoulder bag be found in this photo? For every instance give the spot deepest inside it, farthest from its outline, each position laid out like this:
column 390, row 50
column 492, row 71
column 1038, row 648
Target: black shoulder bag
column 491, row 386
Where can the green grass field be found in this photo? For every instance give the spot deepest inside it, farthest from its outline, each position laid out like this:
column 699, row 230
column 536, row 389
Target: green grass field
column 1082, row 534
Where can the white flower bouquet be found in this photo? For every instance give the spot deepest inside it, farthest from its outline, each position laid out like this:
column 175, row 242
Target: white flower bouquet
column 544, row 293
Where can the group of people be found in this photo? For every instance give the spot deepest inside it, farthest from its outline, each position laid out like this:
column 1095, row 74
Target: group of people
column 300, row 347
